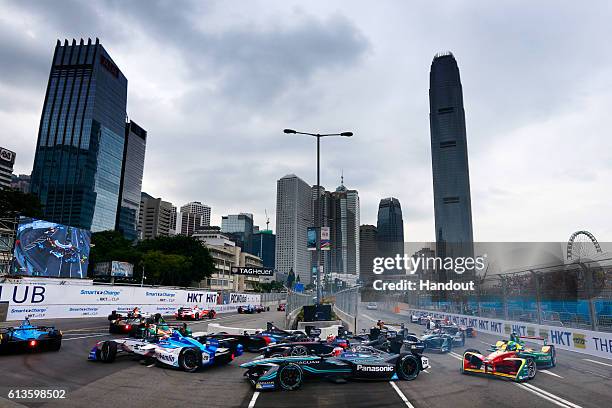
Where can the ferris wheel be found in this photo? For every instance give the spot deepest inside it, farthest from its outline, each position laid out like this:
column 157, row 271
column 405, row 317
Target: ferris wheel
column 582, row 244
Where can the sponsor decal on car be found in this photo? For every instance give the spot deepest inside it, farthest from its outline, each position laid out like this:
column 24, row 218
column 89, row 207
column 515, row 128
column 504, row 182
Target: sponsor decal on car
column 361, row 367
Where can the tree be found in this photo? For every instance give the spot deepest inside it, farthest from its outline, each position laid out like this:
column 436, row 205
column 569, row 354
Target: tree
column 290, row 278
column 166, row 269
column 112, row 246
column 14, row 203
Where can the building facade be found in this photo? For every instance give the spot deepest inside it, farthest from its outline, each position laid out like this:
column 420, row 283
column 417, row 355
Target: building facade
column 293, row 217
column 154, row 217
column 451, row 178
column 187, row 223
column 390, row 229
column 131, row 180
column 240, row 228
column 344, row 231
column 196, row 207
column 79, row 152
column 368, row 250
column 21, row 183
column 264, row 246
column 7, row 161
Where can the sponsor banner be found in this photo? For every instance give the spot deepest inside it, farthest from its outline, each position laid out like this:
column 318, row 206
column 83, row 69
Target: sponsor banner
column 325, row 239
column 311, row 239
column 582, row 341
column 63, row 301
column 239, row 270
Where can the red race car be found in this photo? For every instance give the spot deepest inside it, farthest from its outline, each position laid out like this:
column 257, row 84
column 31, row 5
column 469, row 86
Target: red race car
column 194, row 313
column 506, row 363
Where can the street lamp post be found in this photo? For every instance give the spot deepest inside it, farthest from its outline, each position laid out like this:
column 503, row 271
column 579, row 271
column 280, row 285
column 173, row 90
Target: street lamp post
column 318, row 205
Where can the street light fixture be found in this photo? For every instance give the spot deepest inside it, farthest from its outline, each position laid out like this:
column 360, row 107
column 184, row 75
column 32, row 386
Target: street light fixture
column 318, row 210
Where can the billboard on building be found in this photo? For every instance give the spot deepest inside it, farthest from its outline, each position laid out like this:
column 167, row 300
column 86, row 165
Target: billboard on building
column 44, row 248
column 115, row 269
column 239, row 270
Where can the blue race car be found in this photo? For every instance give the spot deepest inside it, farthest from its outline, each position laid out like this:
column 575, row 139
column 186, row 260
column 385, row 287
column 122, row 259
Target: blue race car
column 176, row 350
column 26, row 337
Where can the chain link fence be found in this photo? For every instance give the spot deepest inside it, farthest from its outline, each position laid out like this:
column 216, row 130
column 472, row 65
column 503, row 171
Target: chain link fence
column 576, row 295
column 297, row 301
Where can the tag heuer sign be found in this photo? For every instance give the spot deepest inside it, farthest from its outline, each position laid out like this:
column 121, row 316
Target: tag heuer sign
column 7, row 156
column 239, row 270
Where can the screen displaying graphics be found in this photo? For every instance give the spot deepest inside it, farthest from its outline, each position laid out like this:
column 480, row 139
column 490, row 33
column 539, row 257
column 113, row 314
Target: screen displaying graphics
column 45, row 248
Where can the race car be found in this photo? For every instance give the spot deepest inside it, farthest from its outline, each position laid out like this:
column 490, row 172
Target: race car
column 194, row 313
column 500, row 363
column 185, row 353
column 359, row 363
column 545, row 357
column 389, row 340
column 250, row 309
column 281, row 307
column 27, row 337
column 455, row 332
column 438, row 341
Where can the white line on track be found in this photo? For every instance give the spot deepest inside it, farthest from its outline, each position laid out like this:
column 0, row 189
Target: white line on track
column 455, row 355
column 151, row 365
column 85, row 337
column 549, row 373
column 597, row 362
column 401, row 395
column 79, row 334
column 254, row 399
column 555, row 399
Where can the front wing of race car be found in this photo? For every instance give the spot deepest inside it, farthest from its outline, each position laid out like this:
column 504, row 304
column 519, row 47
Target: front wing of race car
column 474, row 363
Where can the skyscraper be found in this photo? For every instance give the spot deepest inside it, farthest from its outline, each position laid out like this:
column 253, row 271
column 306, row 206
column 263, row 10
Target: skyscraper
column 451, row 176
column 240, row 228
column 131, row 180
column 344, row 230
column 196, row 207
column 390, row 228
column 293, row 215
column 264, row 246
column 79, row 152
column 191, row 216
column 368, row 250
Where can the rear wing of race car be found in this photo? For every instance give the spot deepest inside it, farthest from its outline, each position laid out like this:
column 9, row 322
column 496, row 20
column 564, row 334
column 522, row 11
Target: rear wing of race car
column 534, row 338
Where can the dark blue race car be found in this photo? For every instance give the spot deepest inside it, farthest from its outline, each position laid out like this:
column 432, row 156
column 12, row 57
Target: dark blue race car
column 26, row 337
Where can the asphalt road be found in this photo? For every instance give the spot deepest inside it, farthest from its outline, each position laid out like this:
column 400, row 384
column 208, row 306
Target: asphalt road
column 577, row 381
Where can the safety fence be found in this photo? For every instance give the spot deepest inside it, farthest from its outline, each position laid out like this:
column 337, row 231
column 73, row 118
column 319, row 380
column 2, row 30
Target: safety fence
column 297, row 301
column 577, row 295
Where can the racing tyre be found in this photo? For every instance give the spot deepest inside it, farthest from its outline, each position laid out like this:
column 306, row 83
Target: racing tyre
column 532, row 369
column 408, row 367
column 290, row 377
column 212, row 314
column 299, row 351
column 197, row 316
column 189, row 359
column 107, row 352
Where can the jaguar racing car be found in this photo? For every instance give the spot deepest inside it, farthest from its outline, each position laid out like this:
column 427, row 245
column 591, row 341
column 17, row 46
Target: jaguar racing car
column 389, row 340
column 194, row 313
column 360, row 363
column 507, row 364
column 438, row 342
column 27, row 337
column 545, row 357
column 185, row 353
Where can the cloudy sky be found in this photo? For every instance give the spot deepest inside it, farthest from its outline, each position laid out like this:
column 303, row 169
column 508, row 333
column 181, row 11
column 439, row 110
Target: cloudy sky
column 215, row 82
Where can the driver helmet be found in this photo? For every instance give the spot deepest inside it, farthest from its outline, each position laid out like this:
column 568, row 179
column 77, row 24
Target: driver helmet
column 512, row 346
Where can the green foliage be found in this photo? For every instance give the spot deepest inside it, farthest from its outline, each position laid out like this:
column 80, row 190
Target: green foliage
column 175, row 261
column 274, row 286
column 290, row 278
column 14, row 203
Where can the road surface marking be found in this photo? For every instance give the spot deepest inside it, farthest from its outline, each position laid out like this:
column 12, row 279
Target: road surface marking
column 555, row 399
column 457, row 356
column 86, row 337
column 85, row 329
column 550, row 373
column 78, row 334
column 425, row 371
column 151, row 365
column 254, row 399
column 597, row 362
column 485, row 343
column 401, row 395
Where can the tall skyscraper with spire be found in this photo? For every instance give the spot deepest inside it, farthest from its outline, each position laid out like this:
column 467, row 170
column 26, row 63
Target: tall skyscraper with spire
column 451, row 176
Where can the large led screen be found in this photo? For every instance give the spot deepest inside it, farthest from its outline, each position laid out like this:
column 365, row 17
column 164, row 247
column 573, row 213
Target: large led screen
column 44, row 248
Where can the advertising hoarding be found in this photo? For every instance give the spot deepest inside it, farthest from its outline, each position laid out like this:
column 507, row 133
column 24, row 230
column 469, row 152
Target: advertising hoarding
column 44, row 248
column 325, row 239
column 248, row 271
column 311, row 239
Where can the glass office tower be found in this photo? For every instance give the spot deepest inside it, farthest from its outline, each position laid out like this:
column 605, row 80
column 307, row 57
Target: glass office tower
column 390, row 230
column 451, row 177
column 131, row 180
column 79, row 153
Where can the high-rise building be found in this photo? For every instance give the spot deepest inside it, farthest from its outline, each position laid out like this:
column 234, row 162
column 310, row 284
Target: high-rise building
column 293, row 217
column 264, row 246
column 131, row 180
column 79, row 152
column 154, row 217
column 7, row 160
column 21, row 183
column 196, row 207
column 390, row 229
column 344, row 231
column 187, row 223
column 240, row 228
column 368, row 250
column 451, row 177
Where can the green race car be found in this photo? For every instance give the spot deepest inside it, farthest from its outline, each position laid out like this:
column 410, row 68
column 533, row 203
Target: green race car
column 545, row 357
